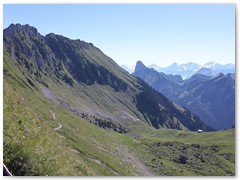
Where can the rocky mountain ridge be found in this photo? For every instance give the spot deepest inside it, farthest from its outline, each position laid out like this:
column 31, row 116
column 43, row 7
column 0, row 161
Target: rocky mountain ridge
column 79, row 64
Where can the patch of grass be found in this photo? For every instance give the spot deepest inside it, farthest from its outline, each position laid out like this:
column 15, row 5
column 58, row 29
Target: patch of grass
column 190, row 153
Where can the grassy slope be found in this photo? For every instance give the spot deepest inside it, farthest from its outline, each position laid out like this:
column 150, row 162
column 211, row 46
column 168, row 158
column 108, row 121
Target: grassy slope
column 208, row 153
column 81, row 148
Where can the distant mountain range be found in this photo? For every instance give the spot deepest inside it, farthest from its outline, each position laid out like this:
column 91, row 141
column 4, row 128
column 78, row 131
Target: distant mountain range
column 188, row 69
column 212, row 98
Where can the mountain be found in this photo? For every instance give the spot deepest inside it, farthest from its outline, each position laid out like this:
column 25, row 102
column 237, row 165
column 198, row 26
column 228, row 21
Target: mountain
column 79, row 64
column 225, row 69
column 184, row 70
column 156, row 67
column 207, row 72
column 175, row 67
column 160, row 81
column 129, row 69
column 212, row 98
column 190, row 66
column 210, row 65
column 188, row 69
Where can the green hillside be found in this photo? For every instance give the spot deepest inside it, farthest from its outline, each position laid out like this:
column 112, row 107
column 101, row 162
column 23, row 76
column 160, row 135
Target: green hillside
column 82, row 148
column 78, row 148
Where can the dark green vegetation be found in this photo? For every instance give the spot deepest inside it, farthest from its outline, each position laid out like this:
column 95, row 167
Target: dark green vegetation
column 58, row 121
column 211, row 98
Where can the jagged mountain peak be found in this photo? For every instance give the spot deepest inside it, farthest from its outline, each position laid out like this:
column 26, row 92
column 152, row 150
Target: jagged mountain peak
column 191, row 66
column 198, row 75
column 22, row 30
column 61, row 37
column 230, row 75
column 174, row 64
column 219, row 75
column 139, row 66
column 210, row 64
column 154, row 66
column 32, row 32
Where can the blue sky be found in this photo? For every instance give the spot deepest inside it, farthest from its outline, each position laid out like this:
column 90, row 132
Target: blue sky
column 155, row 34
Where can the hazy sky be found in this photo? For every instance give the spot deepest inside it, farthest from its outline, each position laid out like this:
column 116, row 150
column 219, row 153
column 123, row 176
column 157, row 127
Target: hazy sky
column 155, row 34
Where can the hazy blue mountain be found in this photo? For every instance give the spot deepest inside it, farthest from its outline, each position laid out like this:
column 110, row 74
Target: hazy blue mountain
column 161, row 82
column 188, row 69
column 155, row 67
column 216, row 67
column 207, row 71
column 210, row 64
column 129, row 69
column 212, row 98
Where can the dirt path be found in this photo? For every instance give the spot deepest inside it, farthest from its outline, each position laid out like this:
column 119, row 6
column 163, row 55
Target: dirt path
column 59, row 127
